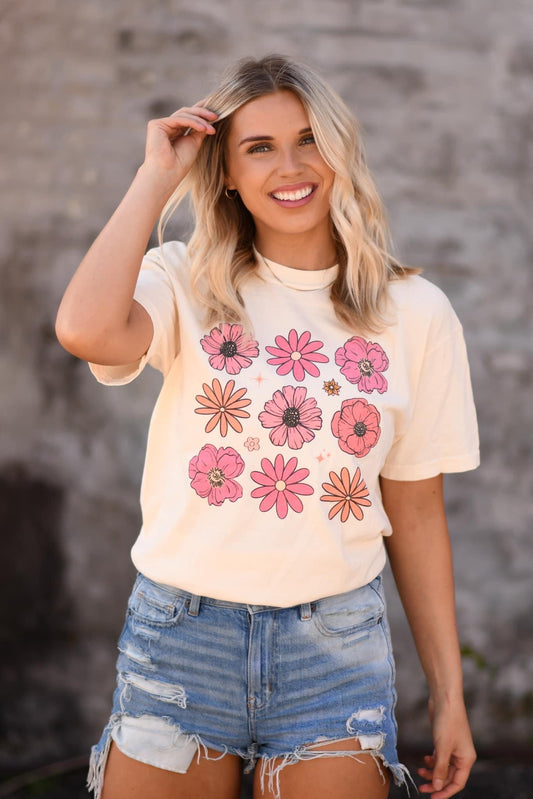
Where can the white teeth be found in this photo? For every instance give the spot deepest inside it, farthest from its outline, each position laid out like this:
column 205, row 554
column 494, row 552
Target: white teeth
column 293, row 195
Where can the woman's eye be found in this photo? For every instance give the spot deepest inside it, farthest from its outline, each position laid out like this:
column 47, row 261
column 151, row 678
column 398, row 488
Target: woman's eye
column 259, row 148
column 309, row 139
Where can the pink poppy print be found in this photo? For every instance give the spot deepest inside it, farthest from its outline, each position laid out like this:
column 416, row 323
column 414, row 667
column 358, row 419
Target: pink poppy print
column 229, row 348
column 213, row 472
column 297, row 354
column 281, row 485
column 292, row 415
column 356, row 426
column 362, row 362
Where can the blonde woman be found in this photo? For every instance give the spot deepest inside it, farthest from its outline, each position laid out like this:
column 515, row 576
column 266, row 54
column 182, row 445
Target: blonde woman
column 314, row 392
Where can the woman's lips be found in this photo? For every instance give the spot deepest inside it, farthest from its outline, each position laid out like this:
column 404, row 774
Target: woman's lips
column 293, row 196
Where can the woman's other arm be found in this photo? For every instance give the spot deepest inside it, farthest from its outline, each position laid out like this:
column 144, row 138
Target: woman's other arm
column 420, row 555
column 98, row 319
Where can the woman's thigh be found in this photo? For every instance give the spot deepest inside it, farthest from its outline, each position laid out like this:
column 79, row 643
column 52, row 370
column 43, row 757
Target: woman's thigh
column 342, row 777
column 217, row 778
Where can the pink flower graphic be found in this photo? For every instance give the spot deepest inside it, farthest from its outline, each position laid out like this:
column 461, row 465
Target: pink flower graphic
column 291, row 416
column 279, row 485
column 212, row 474
column 251, row 443
column 356, row 426
column 229, row 348
column 362, row 362
column 296, row 354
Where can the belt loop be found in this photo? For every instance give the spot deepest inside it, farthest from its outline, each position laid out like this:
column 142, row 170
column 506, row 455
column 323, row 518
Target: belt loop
column 194, row 605
column 305, row 611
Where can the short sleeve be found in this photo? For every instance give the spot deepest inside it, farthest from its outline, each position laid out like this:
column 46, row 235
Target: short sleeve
column 442, row 434
column 155, row 292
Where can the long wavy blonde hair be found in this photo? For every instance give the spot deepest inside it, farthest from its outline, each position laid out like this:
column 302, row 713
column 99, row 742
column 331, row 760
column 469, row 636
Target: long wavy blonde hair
column 221, row 246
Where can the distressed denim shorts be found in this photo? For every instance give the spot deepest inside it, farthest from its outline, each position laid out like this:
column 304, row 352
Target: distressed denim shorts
column 266, row 684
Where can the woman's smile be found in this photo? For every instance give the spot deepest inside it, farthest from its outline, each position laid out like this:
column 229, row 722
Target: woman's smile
column 294, row 196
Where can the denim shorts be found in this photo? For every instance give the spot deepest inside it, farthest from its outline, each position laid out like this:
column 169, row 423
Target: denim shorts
column 267, row 684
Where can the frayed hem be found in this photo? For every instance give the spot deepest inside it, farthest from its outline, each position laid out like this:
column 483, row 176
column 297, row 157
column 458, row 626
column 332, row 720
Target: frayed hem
column 271, row 767
column 191, row 745
column 97, row 764
column 400, row 774
column 100, row 753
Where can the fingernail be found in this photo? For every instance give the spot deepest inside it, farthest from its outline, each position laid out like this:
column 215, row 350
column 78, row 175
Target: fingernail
column 438, row 784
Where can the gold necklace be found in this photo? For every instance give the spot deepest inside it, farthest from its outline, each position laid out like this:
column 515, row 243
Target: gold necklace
column 289, row 285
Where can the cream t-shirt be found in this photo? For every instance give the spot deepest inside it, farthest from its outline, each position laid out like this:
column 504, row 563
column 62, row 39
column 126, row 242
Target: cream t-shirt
column 261, row 480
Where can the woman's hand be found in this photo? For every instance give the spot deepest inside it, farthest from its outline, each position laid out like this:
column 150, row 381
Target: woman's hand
column 172, row 143
column 448, row 768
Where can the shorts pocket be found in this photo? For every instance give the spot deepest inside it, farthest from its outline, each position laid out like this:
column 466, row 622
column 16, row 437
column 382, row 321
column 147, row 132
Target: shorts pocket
column 156, row 605
column 352, row 614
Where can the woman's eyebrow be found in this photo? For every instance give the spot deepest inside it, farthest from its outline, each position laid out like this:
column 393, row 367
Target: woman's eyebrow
column 270, row 138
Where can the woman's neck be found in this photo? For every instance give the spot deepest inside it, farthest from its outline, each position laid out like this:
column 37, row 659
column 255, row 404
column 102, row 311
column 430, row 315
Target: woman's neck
column 299, row 252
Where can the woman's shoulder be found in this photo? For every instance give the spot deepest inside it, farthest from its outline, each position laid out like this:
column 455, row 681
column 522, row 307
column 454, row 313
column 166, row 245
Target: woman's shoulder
column 170, row 256
column 417, row 289
column 420, row 304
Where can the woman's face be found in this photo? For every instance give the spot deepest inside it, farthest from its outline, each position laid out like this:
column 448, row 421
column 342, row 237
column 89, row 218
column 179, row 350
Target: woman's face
column 273, row 162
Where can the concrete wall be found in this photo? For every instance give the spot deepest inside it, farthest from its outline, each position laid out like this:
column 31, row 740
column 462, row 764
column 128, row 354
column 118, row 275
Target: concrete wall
column 443, row 89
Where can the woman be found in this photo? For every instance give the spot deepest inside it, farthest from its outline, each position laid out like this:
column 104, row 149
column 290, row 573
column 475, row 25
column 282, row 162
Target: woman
column 314, row 392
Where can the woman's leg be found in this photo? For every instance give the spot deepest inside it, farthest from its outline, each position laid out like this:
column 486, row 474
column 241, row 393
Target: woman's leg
column 126, row 778
column 340, row 777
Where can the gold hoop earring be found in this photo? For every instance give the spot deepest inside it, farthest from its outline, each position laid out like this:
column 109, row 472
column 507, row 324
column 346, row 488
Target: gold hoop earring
column 231, row 194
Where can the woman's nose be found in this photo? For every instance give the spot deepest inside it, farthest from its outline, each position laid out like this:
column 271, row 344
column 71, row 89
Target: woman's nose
column 290, row 162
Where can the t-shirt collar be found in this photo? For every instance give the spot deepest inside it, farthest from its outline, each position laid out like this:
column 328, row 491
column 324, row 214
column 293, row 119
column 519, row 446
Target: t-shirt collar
column 299, row 279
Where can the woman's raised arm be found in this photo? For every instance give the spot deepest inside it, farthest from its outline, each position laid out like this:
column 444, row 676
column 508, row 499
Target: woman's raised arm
column 420, row 555
column 98, row 319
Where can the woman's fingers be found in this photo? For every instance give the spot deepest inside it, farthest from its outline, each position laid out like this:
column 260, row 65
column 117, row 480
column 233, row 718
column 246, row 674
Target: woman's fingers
column 172, row 142
column 441, row 769
column 185, row 119
column 446, row 781
column 196, row 112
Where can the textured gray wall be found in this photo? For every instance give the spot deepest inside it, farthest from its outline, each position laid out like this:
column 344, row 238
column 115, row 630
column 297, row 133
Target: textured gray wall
column 444, row 91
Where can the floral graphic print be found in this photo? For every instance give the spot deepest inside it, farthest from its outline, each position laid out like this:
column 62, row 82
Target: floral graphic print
column 251, row 443
column 362, row 362
column 350, row 495
column 280, row 484
column 223, row 405
column 331, row 388
column 229, row 348
column 213, row 472
column 297, row 354
column 292, row 416
column 356, row 426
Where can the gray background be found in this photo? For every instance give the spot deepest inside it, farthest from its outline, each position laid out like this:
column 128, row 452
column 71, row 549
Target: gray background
column 444, row 92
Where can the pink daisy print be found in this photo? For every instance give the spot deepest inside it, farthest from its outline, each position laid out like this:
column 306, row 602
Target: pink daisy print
column 362, row 362
column 213, row 472
column 229, row 348
column 297, row 354
column 292, row 415
column 280, row 484
column 356, row 426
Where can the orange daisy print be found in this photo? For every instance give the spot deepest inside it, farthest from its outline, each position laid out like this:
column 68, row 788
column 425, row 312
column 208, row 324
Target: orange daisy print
column 224, row 405
column 350, row 495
